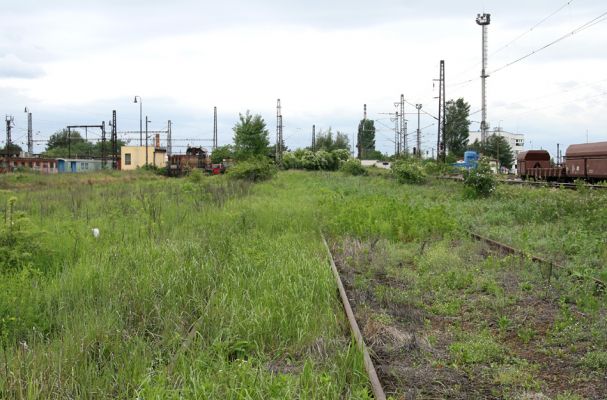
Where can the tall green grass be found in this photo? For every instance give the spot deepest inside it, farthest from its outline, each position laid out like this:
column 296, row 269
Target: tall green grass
column 221, row 292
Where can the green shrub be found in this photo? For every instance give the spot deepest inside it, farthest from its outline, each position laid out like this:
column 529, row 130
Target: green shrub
column 341, row 156
column 253, row 169
column 409, row 171
column 480, row 181
column 18, row 244
column 290, row 161
column 353, row 167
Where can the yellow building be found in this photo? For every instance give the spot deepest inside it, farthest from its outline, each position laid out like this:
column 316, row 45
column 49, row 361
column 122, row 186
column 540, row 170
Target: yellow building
column 133, row 157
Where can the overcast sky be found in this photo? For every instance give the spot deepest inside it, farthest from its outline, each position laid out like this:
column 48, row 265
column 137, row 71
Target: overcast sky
column 74, row 61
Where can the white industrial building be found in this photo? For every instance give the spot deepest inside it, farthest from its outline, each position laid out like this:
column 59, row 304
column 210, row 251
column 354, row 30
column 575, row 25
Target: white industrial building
column 515, row 140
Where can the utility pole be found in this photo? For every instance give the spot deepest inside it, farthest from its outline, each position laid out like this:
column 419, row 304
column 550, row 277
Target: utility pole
column 558, row 154
column 403, row 125
column 69, row 142
column 278, row 131
column 169, row 142
column 215, row 128
column 440, row 141
column 419, row 136
column 114, row 141
column 313, row 137
column 396, row 134
column 30, row 139
column 9, row 126
column 498, row 152
column 147, row 121
column 103, row 163
column 362, row 133
column 484, row 20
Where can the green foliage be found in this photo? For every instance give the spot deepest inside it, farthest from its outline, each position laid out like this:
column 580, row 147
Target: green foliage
column 496, row 147
column 457, row 126
column 353, row 167
column 59, row 146
column 253, row 169
column 12, row 149
column 18, row 242
column 366, row 139
column 313, row 161
column 251, row 137
column 326, row 141
column 477, row 349
column 409, row 170
column 222, row 153
column 480, row 181
column 595, row 360
column 393, row 217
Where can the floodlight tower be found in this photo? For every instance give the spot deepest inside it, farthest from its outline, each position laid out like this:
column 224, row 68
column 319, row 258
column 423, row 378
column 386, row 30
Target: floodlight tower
column 484, row 20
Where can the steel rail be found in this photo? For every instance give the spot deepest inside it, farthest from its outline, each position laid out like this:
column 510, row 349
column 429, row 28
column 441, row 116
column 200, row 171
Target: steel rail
column 511, row 250
column 378, row 391
column 565, row 185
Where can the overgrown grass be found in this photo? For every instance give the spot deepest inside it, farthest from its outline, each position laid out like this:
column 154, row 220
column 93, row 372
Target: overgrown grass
column 208, row 287
column 219, row 291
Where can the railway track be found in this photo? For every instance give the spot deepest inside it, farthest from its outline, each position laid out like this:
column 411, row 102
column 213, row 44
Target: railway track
column 564, row 185
column 376, row 385
column 504, row 248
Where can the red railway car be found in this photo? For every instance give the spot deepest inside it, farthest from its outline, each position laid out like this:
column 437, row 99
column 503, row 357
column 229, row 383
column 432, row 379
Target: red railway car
column 587, row 161
column 535, row 164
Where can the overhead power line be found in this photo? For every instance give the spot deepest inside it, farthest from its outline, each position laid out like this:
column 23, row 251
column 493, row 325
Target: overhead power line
column 577, row 30
column 522, row 35
column 508, row 44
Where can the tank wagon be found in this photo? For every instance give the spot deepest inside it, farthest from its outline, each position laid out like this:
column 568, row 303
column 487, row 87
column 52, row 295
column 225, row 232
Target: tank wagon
column 586, row 161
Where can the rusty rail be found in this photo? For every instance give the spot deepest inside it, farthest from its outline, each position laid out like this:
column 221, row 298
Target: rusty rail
column 378, row 391
column 565, row 185
column 511, row 250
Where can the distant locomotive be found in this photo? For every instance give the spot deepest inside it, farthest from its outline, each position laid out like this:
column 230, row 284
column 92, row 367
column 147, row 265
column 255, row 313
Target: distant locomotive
column 586, row 161
column 195, row 158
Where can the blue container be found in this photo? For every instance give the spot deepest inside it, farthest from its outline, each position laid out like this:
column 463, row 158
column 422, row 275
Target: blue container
column 471, row 157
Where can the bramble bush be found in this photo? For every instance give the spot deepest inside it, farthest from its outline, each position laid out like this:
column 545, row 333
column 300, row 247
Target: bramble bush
column 253, row 169
column 315, row 160
column 353, row 167
column 409, row 171
column 480, row 181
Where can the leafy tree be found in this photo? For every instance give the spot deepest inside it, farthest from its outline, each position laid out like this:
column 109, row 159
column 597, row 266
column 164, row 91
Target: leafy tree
column 251, row 136
column 221, row 153
column 457, row 126
column 496, row 147
column 62, row 139
column 12, row 149
column 58, row 146
column 366, row 138
column 326, row 141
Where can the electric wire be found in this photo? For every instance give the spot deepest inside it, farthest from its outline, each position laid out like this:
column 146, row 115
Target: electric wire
column 577, row 30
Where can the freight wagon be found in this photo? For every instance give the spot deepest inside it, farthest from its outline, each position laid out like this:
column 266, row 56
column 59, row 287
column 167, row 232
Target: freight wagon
column 582, row 161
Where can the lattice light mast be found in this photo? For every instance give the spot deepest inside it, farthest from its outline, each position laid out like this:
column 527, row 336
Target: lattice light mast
column 484, row 20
